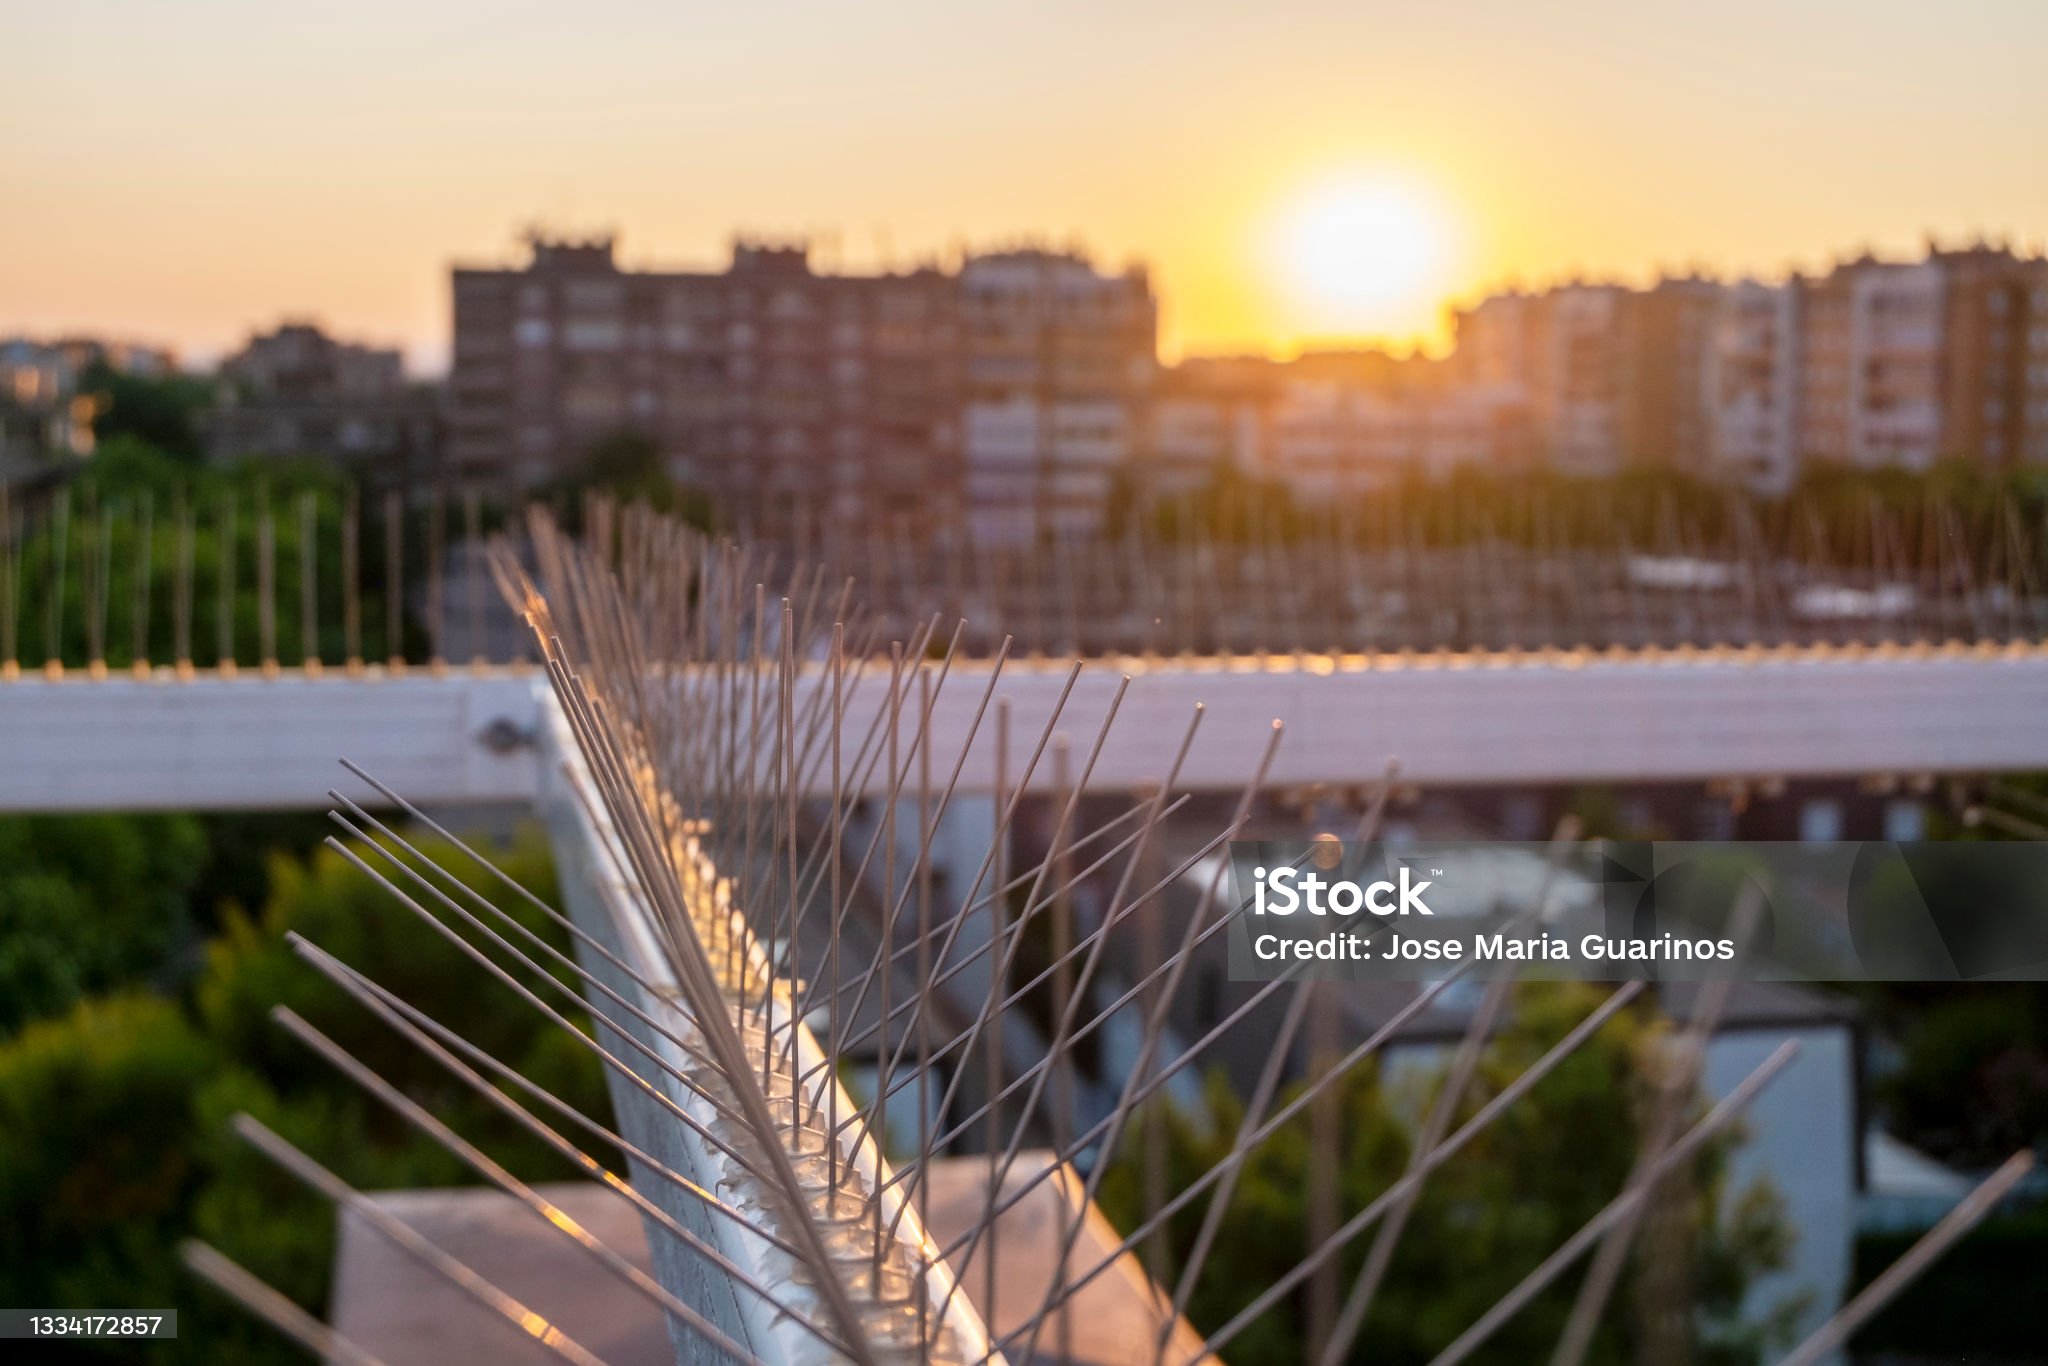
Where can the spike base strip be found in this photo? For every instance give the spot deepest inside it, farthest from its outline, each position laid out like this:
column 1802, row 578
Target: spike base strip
column 612, row 908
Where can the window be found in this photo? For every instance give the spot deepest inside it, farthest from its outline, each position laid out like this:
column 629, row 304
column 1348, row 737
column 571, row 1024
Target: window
column 1820, row 820
column 1905, row 820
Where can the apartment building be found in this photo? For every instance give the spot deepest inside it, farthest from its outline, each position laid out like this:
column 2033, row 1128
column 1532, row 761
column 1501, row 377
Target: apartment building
column 1206, row 417
column 1577, row 407
column 1006, row 400
column 1331, row 440
column 1503, row 341
column 1331, row 424
column 794, row 399
column 296, row 390
column 1665, row 373
column 1871, row 365
column 1995, row 356
column 1476, row 426
column 1059, row 364
column 1556, row 358
column 1753, row 386
column 1001, row 399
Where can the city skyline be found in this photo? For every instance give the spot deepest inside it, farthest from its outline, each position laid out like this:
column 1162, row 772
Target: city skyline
column 230, row 166
column 429, row 358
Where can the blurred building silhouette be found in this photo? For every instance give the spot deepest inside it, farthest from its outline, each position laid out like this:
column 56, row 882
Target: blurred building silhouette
column 1666, row 365
column 1753, row 388
column 1877, row 364
column 1060, row 361
column 296, row 391
column 1010, row 399
column 44, row 405
column 1995, row 355
column 1005, row 395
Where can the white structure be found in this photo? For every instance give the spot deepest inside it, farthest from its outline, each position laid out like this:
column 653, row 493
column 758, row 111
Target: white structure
column 248, row 741
column 1800, row 1137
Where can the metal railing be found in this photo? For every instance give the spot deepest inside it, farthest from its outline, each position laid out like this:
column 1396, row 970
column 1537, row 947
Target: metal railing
column 316, row 580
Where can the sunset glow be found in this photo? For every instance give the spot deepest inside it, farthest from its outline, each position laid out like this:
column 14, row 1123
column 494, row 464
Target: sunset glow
column 1363, row 257
column 239, row 162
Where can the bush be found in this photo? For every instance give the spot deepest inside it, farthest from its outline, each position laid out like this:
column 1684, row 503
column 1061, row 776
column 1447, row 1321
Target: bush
column 1485, row 1218
column 113, row 1119
column 1981, row 1301
column 1972, row 1087
column 88, row 904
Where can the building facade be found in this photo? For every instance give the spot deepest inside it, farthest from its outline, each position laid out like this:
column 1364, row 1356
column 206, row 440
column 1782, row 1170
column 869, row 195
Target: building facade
column 1059, row 371
column 1578, row 407
column 1009, row 399
column 296, row 391
column 1003, row 397
column 1665, row 373
column 1995, row 356
column 1753, row 386
column 1207, row 417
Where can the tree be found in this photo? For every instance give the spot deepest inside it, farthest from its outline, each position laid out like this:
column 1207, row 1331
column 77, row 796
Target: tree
column 1971, row 1085
column 88, row 903
column 113, row 1118
column 627, row 464
column 162, row 411
column 110, row 551
column 1485, row 1218
column 1970, row 1082
column 103, row 1154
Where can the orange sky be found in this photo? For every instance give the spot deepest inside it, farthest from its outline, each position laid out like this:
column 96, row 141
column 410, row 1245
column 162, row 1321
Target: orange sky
column 184, row 173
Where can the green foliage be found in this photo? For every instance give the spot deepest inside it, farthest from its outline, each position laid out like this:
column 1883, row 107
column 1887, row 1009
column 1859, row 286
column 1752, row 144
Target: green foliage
column 113, row 1119
column 108, row 559
column 1484, row 1219
column 94, row 903
column 162, row 412
column 88, row 903
column 102, row 1153
column 243, row 848
column 1841, row 516
column 627, row 465
column 1980, row 1302
column 1972, row 1087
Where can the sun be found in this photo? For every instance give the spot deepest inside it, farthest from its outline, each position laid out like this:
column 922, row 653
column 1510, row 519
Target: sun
column 1363, row 256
